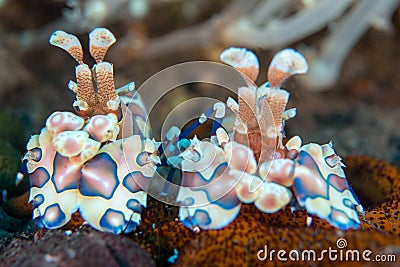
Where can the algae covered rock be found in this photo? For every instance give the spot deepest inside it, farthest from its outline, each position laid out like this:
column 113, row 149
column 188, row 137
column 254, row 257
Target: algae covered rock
column 85, row 247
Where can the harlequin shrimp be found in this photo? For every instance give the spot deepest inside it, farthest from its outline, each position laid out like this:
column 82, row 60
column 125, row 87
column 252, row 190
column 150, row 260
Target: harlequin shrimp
column 99, row 160
column 253, row 164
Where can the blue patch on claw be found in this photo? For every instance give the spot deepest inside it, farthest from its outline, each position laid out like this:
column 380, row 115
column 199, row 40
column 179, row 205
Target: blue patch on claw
column 65, row 174
column 39, row 222
column 39, row 177
column 113, row 221
column 341, row 225
column 134, row 205
column 200, row 218
column 135, row 181
column 130, row 227
column 38, row 200
column 99, row 177
column 53, row 217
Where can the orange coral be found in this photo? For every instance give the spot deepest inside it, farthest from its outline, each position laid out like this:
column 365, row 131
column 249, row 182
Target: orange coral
column 238, row 243
column 379, row 182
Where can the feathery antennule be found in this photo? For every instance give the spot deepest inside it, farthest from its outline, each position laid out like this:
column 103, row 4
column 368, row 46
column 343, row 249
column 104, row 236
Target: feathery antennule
column 243, row 60
column 106, row 93
column 247, row 106
column 267, row 123
column 85, row 93
column 286, row 63
column 100, row 40
column 277, row 101
column 69, row 43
